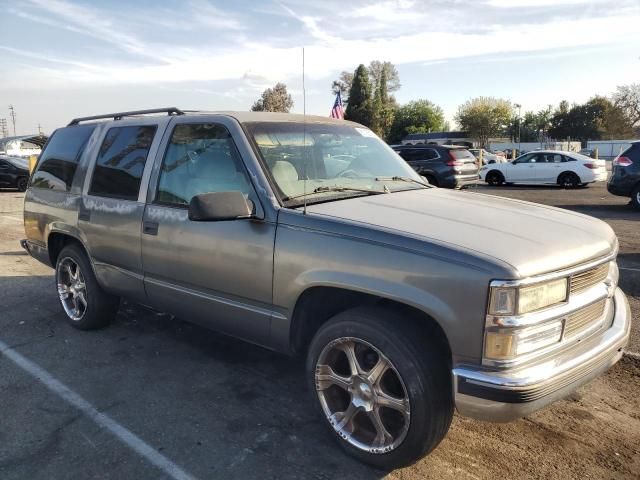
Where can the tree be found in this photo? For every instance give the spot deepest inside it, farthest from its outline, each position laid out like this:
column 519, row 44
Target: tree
column 376, row 68
column 275, row 99
column 597, row 119
column 359, row 108
column 484, row 117
column 343, row 85
column 627, row 98
column 419, row 116
column 383, row 110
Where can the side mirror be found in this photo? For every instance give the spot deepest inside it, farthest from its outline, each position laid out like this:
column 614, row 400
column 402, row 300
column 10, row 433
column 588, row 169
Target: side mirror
column 217, row 206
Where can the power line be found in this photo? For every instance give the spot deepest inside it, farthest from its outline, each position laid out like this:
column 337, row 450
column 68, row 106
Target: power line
column 12, row 112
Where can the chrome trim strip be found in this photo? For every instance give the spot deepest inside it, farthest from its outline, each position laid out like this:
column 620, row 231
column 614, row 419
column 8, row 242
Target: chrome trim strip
column 554, row 275
column 579, row 300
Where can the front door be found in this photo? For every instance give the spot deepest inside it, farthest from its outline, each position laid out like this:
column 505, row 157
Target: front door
column 522, row 169
column 216, row 273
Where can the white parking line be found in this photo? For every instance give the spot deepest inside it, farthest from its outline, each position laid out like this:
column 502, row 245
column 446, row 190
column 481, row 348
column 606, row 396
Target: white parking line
column 64, row 392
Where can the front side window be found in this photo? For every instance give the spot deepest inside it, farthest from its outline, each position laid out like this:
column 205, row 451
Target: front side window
column 200, row 158
column 59, row 160
column 121, row 160
column 528, row 158
column 323, row 162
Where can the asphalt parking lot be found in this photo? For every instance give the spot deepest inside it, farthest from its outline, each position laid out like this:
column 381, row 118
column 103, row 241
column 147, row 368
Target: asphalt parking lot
column 167, row 399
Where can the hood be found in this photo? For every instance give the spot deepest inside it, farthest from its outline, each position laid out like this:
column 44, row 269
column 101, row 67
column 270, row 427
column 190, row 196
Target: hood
column 530, row 237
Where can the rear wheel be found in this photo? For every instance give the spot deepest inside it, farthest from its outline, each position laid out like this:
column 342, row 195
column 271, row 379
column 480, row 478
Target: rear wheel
column 84, row 303
column 22, row 183
column 382, row 387
column 494, row 178
column 635, row 198
column 568, row 180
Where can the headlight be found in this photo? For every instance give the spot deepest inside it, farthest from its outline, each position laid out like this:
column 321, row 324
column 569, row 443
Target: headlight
column 506, row 344
column 516, row 301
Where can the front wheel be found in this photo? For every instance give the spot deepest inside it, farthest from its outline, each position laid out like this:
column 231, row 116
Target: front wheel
column 383, row 388
column 494, row 178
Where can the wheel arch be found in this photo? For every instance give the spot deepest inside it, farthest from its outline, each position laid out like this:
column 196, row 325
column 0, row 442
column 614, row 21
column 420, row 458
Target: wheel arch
column 57, row 240
column 567, row 172
column 318, row 304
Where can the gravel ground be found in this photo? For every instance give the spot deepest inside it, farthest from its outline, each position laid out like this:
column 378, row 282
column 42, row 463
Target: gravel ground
column 220, row 408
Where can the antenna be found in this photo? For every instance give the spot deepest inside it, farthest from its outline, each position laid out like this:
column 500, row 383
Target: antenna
column 304, row 140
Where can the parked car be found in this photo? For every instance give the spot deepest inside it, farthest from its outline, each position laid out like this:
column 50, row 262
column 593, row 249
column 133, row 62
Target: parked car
column 546, row 167
column 408, row 300
column 14, row 173
column 487, row 157
column 442, row 165
column 625, row 174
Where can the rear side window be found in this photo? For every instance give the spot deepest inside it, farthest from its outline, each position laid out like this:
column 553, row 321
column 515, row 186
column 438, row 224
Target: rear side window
column 121, row 160
column 59, row 161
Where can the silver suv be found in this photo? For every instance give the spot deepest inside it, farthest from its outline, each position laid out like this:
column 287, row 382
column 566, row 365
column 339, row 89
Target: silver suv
column 305, row 234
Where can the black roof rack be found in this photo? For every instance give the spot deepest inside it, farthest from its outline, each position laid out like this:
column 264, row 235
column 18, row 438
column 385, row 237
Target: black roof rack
column 120, row 115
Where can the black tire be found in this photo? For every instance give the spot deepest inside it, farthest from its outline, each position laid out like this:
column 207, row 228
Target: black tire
column 635, row 198
column 418, row 360
column 568, row 180
column 21, row 184
column 99, row 308
column 494, row 178
column 432, row 180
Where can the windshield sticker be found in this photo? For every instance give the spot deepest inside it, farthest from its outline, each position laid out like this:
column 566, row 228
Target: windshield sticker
column 365, row 132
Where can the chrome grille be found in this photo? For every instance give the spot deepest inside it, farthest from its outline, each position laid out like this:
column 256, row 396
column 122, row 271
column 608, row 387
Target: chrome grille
column 583, row 319
column 583, row 280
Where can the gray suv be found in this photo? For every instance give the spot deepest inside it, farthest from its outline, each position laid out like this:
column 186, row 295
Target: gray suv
column 305, row 234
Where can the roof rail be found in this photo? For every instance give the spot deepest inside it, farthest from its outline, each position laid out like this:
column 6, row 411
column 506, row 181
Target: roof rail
column 119, row 116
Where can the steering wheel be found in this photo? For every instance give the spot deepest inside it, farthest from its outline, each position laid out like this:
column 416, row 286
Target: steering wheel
column 350, row 173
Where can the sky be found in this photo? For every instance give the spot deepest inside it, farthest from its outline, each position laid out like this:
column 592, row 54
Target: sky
column 67, row 58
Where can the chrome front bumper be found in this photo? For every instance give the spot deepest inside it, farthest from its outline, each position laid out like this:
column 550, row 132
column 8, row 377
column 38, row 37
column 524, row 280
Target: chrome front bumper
column 501, row 396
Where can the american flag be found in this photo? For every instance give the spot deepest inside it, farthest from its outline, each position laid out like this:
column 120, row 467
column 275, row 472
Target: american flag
column 338, row 109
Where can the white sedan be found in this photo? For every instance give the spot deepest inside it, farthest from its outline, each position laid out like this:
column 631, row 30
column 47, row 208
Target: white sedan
column 546, row 167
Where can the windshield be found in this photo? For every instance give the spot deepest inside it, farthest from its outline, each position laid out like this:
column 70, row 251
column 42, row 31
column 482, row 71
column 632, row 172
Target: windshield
column 337, row 161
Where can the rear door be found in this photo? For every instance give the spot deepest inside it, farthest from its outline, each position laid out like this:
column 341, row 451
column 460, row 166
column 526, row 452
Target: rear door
column 549, row 166
column 113, row 201
column 217, row 273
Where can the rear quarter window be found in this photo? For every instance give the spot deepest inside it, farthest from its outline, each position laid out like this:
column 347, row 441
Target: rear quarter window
column 59, row 160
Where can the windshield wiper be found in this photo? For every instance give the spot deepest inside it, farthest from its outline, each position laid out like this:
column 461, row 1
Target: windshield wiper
column 401, row 179
column 336, row 189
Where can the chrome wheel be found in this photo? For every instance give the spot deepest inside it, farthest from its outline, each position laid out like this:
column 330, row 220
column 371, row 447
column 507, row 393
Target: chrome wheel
column 362, row 395
column 72, row 289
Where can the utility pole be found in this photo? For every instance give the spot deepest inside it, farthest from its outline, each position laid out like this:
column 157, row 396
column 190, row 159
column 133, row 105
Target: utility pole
column 12, row 112
column 3, row 128
column 39, row 129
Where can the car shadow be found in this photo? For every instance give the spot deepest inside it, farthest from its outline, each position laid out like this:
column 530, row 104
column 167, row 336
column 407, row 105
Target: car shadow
column 253, row 404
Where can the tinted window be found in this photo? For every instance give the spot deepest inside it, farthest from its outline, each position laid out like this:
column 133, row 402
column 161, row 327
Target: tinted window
column 200, row 158
column 529, row 158
column 121, row 160
column 59, row 161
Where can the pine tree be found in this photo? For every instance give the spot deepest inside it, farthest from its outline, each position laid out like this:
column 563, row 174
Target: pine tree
column 359, row 108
